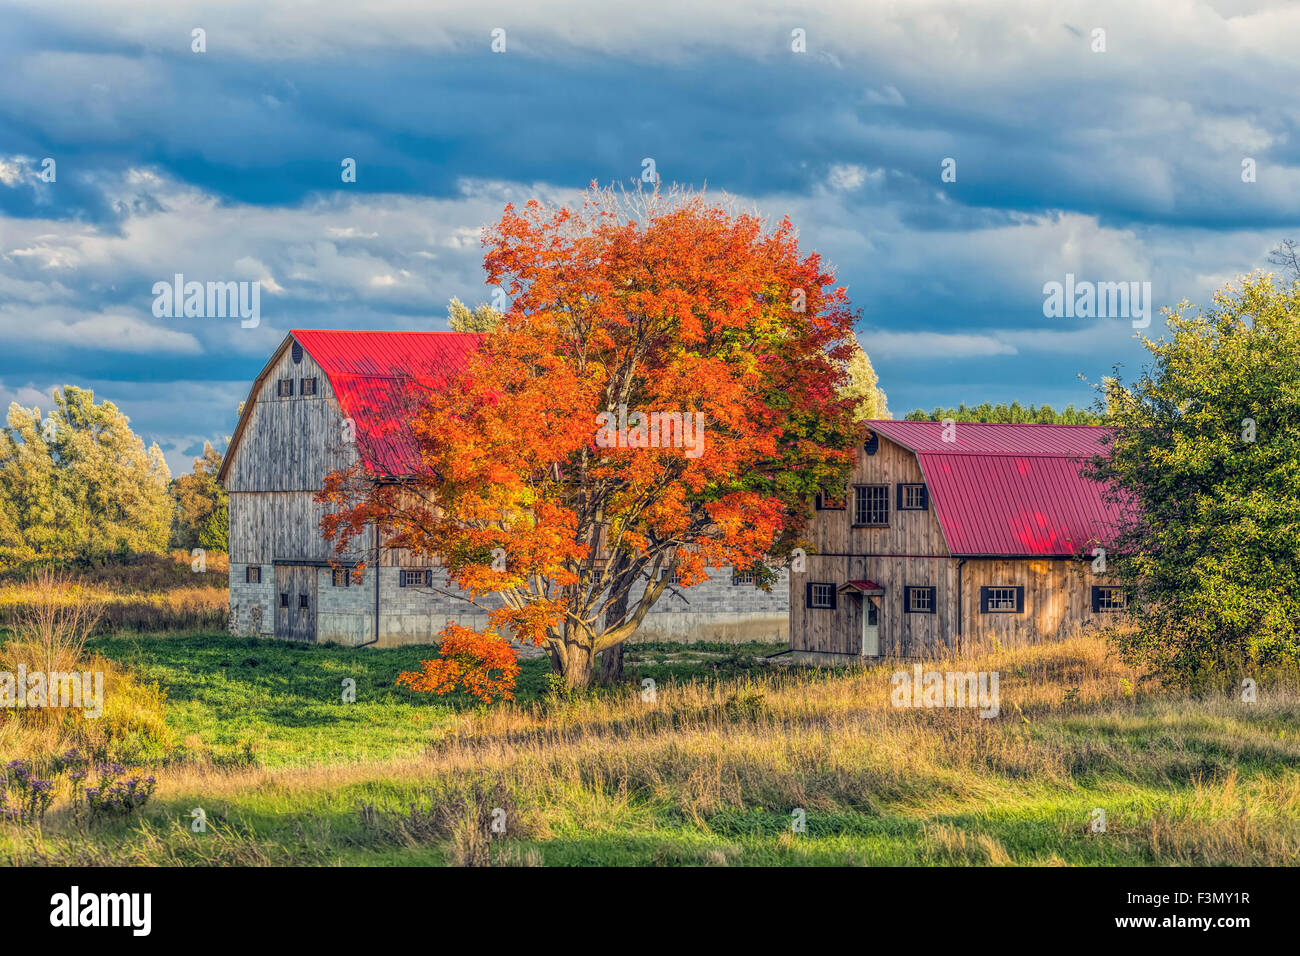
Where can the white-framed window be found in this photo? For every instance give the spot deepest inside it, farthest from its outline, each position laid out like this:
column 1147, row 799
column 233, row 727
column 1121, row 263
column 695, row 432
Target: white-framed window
column 913, row 497
column 308, row 387
column 871, row 506
column 1105, row 598
column 919, row 599
column 285, row 389
column 414, row 578
column 1002, row 600
column 821, row 594
column 743, row 577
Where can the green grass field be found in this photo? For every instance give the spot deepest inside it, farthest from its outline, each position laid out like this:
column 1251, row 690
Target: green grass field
column 712, row 771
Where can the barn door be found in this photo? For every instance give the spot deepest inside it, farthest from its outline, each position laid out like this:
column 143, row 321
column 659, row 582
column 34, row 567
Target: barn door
column 295, row 602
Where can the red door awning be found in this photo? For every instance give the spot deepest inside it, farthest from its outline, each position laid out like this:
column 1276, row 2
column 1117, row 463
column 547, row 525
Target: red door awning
column 861, row 587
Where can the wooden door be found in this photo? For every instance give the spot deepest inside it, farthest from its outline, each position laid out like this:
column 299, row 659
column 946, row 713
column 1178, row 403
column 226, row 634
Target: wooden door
column 295, row 602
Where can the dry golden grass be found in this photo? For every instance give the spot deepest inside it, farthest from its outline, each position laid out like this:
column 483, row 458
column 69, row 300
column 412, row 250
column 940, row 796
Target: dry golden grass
column 708, row 772
column 147, row 593
column 49, row 631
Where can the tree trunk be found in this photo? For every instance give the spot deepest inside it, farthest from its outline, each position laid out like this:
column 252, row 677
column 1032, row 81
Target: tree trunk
column 611, row 658
column 611, row 664
column 576, row 666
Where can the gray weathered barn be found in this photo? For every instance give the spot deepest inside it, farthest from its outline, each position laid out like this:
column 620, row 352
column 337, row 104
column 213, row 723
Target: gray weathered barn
column 326, row 397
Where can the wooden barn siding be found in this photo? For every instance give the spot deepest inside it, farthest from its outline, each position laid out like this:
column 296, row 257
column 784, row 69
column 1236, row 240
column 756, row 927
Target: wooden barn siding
column 839, row 631
column 1058, row 598
column 282, row 525
column 909, row 532
column 290, row 444
column 910, row 551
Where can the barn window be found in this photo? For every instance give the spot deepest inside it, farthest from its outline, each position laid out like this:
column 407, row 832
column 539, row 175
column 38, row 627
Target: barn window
column 871, row 506
column 1108, row 599
column 913, row 497
column 297, row 352
column 308, row 386
column 872, row 444
column 252, row 574
column 302, row 601
column 286, row 387
column 1002, row 600
column 918, row 600
column 744, row 577
column 341, row 578
column 827, row 502
column 284, row 599
column 820, row 595
column 414, row 578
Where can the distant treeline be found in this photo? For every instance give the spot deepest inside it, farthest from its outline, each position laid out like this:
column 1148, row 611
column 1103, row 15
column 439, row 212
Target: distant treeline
column 1013, row 414
column 79, row 487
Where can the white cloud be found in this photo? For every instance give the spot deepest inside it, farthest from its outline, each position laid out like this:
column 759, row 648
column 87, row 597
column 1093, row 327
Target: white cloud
column 882, row 344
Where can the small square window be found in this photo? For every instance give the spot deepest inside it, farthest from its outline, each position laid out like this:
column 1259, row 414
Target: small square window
column 302, row 601
column 341, row 578
column 252, row 574
column 919, row 600
column 744, row 577
column 1109, row 599
column 284, row 599
column 827, row 502
column 308, row 386
column 1002, row 600
column 412, row 579
column 286, row 388
column 913, row 497
column 821, row 595
column 871, row 506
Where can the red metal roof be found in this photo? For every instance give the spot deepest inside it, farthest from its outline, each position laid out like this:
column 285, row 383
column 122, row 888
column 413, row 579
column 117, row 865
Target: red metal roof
column 987, row 438
column 377, row 378
column 1011, row 489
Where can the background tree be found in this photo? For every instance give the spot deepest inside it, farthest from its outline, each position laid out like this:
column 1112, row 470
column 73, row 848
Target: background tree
column 80, row 484
column 201, row 510
column 1015, row 414
column 483, row 318
column 1206, row 458
column 1286, row 255
column 660, row 303
column 863, row 388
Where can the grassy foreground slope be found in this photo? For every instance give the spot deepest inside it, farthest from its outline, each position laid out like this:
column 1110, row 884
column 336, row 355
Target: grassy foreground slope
column 709, row 772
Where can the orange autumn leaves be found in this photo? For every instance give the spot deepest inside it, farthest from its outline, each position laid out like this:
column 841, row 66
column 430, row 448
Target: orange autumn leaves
column 482, row 665
column 683, row 307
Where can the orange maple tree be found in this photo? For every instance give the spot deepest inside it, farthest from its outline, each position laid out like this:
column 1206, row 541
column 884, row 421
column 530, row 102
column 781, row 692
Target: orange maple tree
column 555, row 484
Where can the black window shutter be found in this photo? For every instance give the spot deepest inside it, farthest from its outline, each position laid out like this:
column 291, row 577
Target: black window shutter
column 807, row 595
column 835, row 598
column 428, row 578
column 984, row 600
column 900, row 497
column 401, row 577
column 925, row 498
column 933, row 602
column 1020, row 599
column 1096, row 599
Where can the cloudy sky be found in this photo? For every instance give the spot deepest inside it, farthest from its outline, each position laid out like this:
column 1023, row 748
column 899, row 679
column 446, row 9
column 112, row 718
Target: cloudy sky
column 1117, row 166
